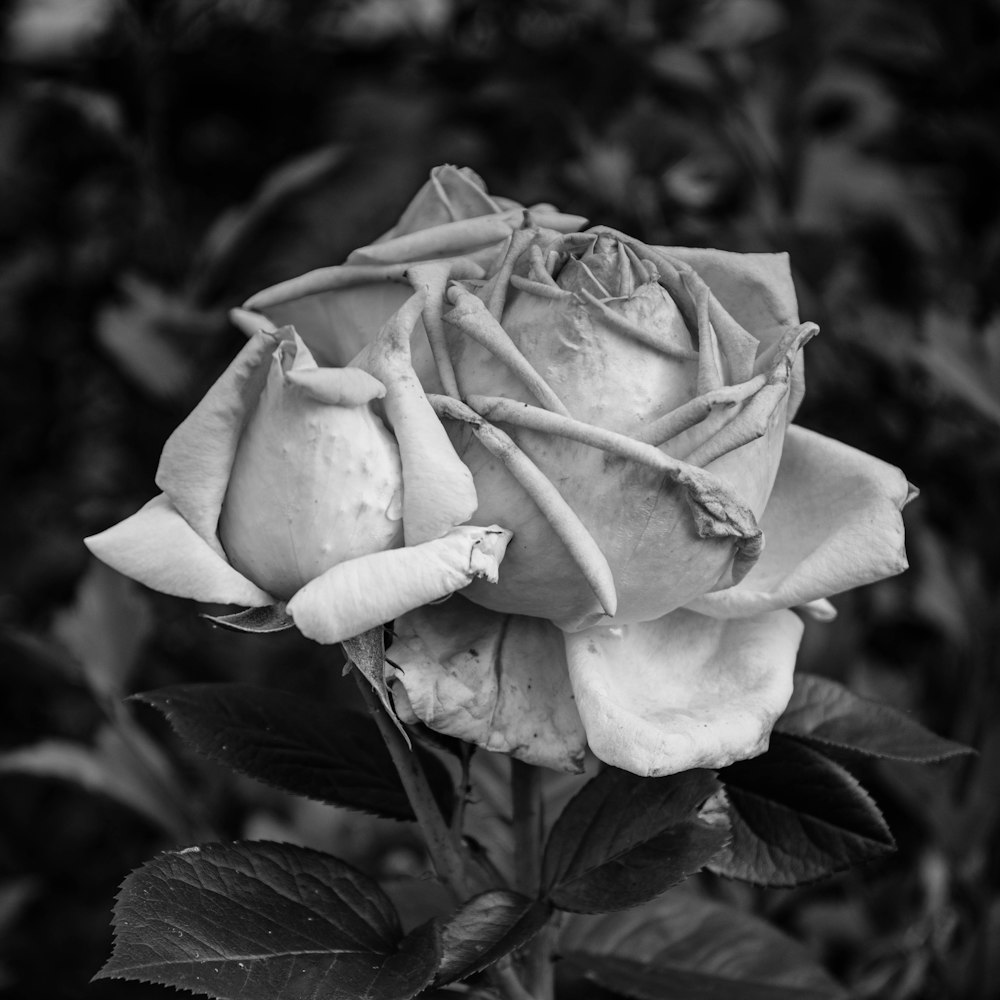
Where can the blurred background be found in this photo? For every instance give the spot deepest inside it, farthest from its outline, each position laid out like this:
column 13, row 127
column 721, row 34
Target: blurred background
column 162, row 159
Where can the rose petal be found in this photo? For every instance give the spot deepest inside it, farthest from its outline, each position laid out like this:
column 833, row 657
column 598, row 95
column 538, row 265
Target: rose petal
column 832, row 523
column 338, row 323
column 157, row 547
column 197, row 458
column 683, row 691
column 756, row 289
column 498, row 681
column 438, row 491
column 452, row 193
column 316, row 479
column 359, row 594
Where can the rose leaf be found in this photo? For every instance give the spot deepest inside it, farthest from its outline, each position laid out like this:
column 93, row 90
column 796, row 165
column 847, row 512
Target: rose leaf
column 263, row 921
column 624, row 839
column 827, row 716
column 486, row 928
column 262, row 621
column 683, row 947
column 797, row 816
column 288, row 742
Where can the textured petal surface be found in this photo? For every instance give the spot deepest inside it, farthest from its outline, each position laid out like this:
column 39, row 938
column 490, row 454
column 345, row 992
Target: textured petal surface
column 361, row 593
column 832, row 523
column 197, row 458
column 316, row 479
column 498, row 681
column 683, row 691
column 157, row 547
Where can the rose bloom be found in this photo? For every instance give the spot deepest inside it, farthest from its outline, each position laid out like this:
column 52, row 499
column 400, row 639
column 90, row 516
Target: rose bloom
column 611, row 420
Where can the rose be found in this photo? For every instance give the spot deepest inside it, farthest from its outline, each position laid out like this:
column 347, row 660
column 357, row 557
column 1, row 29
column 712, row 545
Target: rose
column 284, row 484
column 632, row 612
column 650, row 625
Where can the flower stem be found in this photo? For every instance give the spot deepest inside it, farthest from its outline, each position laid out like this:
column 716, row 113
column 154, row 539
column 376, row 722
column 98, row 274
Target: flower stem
column 526, row 797
column 442, row 843
column 441, row 846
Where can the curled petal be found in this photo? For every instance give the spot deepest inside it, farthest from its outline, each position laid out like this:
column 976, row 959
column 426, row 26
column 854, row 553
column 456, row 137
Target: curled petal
column 157, row 547
column 447, row 240
column 359, row 594
column 438, row 491
column 832, row 523
column 197, row 458
column 757, row 291
column 451, row 193
column 683, row 691
column 498, row 681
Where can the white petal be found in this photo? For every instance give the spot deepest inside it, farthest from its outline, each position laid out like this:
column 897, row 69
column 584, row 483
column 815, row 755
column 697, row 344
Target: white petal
column 198, row 457
column 157, row 547
column 832, row 523
column 683, row 691
column 498, row 681
column 361, row 593
column 438, row 490
column 757, row 291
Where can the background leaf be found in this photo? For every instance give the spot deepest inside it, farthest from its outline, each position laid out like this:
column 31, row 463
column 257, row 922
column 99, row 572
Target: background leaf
column 797, row 816
column 123, row 764
column 623, row 839
column 829, row 716
column 291, row 743
column 683, row 947
column 261, row 921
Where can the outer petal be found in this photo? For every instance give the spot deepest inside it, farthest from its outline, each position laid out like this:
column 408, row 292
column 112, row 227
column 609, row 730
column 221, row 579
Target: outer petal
column 157, row 547
column 452, row 193
column 198, row 457
column 359, row 594
column 832, row 523
column 757, row 290
column 499, row 681
column 683, row 691
column 336, row 324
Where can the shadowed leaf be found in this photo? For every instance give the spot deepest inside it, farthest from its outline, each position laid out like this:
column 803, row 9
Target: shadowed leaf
column 331, row 755
column 486, row 928
column 624, row 839
column 682, row 947
column 261, row 921
column 828, row 716
column 797, row 816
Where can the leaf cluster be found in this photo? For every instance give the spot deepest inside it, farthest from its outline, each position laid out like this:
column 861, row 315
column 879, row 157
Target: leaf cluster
column 266, row 920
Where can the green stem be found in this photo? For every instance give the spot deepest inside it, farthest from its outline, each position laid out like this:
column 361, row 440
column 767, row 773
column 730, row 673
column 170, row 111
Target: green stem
column 441, row 845
column 526, row 797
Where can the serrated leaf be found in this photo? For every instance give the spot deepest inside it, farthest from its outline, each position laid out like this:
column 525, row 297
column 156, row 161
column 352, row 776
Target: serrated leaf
column 829, row 716
column 624, row 839
column 797, row 816
column 486, row 928
column 262, row 921
column 262, row 621
column 332, row 755
column 683, row 947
